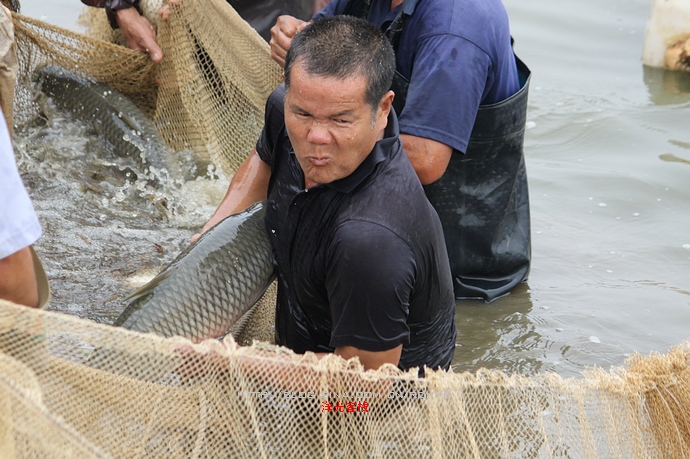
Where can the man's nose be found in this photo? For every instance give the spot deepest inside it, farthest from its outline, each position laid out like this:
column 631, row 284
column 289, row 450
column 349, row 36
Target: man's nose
column 318, row 133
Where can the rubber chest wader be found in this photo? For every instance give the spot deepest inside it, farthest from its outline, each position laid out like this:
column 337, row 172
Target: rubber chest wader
column 482, row 198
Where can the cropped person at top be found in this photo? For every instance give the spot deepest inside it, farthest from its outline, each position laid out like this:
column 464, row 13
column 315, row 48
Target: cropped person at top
column 461, row 97
column 362, row 266
column 141, row 35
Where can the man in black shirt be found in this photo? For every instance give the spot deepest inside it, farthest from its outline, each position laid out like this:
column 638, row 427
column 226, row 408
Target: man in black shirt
column 362, row 265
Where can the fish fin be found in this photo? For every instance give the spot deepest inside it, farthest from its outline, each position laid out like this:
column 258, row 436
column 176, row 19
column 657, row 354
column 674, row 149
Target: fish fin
column 238, row 329
column 129, row 121
column 150, row 285
column 241, row 324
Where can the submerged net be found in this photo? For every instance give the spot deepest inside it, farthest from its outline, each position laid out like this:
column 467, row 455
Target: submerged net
column 73, row 388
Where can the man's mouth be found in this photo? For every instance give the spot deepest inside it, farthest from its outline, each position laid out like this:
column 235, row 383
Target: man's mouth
column 319, row 160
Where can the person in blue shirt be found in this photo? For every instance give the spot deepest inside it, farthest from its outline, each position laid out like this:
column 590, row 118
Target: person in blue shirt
column 461, row 98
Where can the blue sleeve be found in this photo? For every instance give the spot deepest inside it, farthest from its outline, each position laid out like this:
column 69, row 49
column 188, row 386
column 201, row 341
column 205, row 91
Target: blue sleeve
column 370, row 275
column 445, row 115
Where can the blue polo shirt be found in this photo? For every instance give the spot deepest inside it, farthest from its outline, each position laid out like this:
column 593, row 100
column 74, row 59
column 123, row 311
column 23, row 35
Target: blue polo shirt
column 457, row 56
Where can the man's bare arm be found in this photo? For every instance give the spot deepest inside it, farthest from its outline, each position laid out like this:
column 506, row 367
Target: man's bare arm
column 370, row 360
column 17, row 279
column 248, row 185
column 428, row 157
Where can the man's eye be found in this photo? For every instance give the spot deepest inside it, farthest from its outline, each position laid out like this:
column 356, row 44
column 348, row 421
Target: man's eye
column 341, row 121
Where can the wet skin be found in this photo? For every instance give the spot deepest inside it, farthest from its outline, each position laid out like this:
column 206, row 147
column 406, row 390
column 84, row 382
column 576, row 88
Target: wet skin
column 331, row 127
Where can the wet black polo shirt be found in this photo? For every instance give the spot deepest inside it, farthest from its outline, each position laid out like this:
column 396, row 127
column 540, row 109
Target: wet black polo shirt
column 361, row 261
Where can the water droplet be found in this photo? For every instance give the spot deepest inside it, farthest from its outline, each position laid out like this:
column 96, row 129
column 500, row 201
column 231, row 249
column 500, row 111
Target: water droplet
column 594, row 339
column 602, row 204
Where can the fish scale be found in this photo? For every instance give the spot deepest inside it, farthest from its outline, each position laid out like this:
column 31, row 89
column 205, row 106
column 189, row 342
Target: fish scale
column 124, row 125
column 210, row 285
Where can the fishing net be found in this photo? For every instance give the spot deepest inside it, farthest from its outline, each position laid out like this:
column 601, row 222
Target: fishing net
column 206, row 96
column 73, row 388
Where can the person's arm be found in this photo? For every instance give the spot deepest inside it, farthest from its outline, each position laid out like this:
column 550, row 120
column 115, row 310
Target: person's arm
column 370, row 275
column 17, row 279
column 136, row 29
column 370, row 360
column 248, row 185
column 429, row 158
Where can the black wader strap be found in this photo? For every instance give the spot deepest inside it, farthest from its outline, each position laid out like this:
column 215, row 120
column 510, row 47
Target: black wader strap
column 360, row 9
column 357, row 8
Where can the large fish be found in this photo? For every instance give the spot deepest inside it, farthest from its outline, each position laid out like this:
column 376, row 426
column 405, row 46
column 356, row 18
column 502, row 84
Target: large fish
column 124, row 125
column 210, row 285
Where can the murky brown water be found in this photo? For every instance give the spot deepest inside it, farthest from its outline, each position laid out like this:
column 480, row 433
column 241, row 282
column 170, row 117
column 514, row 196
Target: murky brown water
column 608, row 157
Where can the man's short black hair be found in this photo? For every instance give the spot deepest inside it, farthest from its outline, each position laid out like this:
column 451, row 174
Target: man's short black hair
column 341, row 47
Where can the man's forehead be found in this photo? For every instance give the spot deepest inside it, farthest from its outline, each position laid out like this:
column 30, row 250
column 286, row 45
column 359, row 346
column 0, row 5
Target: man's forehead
column 311, row 83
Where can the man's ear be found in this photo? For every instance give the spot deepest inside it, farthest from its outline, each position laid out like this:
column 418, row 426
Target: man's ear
column 386, row 103
column 385, row 106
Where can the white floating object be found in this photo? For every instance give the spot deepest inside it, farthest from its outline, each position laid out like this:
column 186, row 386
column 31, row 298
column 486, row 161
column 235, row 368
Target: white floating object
column 668, row 24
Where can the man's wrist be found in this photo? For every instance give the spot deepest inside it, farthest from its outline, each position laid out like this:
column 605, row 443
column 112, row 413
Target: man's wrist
column 112, row 6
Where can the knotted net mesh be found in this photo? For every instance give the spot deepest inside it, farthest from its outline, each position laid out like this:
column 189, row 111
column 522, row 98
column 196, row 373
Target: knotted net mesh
column 72, row 388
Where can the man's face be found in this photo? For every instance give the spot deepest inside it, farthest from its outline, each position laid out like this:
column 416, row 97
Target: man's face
column 331, row 127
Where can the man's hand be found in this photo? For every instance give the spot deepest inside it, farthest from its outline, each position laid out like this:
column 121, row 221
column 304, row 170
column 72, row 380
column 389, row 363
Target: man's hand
column 285, row 28
column 139, row 33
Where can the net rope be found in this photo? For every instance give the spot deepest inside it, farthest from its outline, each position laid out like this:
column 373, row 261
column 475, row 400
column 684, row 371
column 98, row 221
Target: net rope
column 72, row 388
